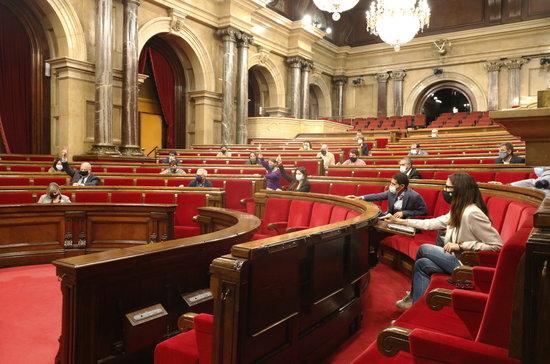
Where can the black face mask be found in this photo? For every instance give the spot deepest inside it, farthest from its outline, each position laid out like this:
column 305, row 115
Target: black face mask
column 198, row 179
column 223, row 151
column 353, row 159
column 173, row 170
column 542, row 184
column 448, row 196
column 53, row 196
column 324, row 152
column 83, row 173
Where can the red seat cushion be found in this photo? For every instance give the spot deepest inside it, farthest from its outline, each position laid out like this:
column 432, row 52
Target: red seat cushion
column 180, row 349
column 497, row 207
column 342, row 189
column 159, row 197
column 312, row 167
column 442, row 175
column 15, row 181
column 339, row 172
column 150, row 182
column 187, row 208
column 235, row 191
column 120, row 170
column 118, row 182
column 509, row 177
column 511, row 220
column 320, row 214
column 483, row 176
column 93, row 197
column 10, row 198
column 276, row 210
column 430, row 197
column 44, row 181
column 338, row 214
column 148, row 170
column 126, row 197
column 387, row 174
column 299, row 213
column 320, row 187
column 365, row 173
column 26, row 168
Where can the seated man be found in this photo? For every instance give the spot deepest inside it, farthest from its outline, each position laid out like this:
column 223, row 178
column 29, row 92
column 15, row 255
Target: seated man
column 542, row 182
column 223, row 152
column 171, row 157
column 506, row 155
column 82, row 177
column 173, row 169
column 200, row 180
column 354, row 159
column 53, row 195
column 363, row 147
column 403, row 202
column 415, row 150
column 405, row 166
column 435, row 133
column 328, row 157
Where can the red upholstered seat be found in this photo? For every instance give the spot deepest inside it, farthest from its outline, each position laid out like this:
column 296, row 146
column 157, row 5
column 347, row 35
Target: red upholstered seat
column 150, row 182
column 427, row 174
column 365, row 173
column 511, row 220
column 235, row 191
column 509, row 177
column 338, row 214
column 118, row 181
column 120, row 170
column 276, row 209
column 430, row 197
column 339, row 172
column 497, row 207
column 442, row 175
column 14, row 181
column 483, row 176
column 191, row 347
column 387, row 174
column 126, row 197
column 44, row 181
column 320, row 187
column 187, row 208
column 368, row 189
column 342, row 189
column 26, row 168
column 148, row 170
column 94, row 197
column 320, row 214
column 312, row 167
column 298, row 217
column 15, row 198
column 159, row 197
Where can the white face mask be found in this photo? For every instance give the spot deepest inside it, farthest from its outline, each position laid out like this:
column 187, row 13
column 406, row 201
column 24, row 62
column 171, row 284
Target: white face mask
column 402, row 169
column 434, row 135
column 299, row 177
column 538, row 171
column 59, row 167
column 413, row 151
column 393, row 189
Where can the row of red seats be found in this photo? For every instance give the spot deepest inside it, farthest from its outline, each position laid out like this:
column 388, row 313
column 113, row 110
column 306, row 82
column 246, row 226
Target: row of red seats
column 479, row 176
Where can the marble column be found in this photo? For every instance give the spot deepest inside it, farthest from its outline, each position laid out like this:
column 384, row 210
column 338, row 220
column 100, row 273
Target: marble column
column 307, row 65
column 130, row 127
column 493, row 69
column 243, row 43
column 103, row 120
column 382, row 79
column 398, row 77
column 339, row 82
column 514, row 66
column 229, row 38
column 295, row 64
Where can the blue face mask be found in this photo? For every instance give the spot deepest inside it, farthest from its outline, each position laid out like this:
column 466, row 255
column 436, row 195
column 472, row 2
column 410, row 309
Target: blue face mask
column 502, row 155
column 539, row 171
column 299, row 177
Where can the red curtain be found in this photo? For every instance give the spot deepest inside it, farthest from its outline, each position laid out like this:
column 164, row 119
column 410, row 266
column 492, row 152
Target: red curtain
column 164, row 82
column 15, row 83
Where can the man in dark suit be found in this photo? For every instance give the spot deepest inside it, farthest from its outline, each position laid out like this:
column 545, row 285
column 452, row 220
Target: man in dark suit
column 506, row 155
column 403, row 202
column 405, row 166
column 81, row 177
column 171, row 157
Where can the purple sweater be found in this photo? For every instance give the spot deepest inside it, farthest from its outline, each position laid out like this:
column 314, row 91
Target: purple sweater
column 273, row 179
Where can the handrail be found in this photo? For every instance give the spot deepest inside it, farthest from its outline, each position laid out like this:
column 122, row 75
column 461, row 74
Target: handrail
column 153, row 150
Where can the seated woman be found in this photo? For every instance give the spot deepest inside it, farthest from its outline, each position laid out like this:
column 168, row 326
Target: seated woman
column 299, row 182
column 252, row 159
column 173, row 169
column 306, row 146
column 468, row 228
column 273, row 176
column 56, row 167
column 53, row 195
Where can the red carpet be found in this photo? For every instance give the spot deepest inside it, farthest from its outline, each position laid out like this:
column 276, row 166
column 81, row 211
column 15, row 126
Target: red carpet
column 30, row 319
column 386, row 286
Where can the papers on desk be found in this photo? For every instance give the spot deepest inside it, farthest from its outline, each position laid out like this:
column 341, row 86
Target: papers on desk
column 402, row 228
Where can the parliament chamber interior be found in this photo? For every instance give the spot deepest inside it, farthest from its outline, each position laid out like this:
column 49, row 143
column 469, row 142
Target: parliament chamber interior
column 274, row 181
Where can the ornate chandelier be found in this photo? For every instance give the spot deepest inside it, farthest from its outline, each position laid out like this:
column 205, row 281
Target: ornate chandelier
column 397, row 21
column 335, row 6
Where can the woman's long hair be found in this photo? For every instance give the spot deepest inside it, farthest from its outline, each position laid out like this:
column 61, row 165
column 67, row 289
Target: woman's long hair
column 465, row 193
column 294, row 185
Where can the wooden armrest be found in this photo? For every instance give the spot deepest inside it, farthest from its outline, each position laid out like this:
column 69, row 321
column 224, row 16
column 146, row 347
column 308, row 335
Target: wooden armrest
column 186, row 321
column 469, row 257
column 276, row 225
column 463, row 273
column 437, row 298
column 393, row 339
column 244, row 201
column 296, row 228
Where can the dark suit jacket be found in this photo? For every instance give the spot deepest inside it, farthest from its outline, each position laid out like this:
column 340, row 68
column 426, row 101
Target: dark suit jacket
column 205, row 183
column 75, row 174
column 364, row 149
column 514, row 160
column 413, row 203
column 414, row 174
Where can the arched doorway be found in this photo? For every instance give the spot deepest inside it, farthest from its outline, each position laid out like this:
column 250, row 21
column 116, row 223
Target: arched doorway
column 445, row 97
column 313, row 102
column 24, row 86
column 259, row 81
column 162, row 101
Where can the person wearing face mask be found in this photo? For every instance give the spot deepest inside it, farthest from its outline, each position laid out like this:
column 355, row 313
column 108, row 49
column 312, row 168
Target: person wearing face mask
column 81, row 177
column 171, row 157
column 306, row 146
column 273, row 175
column 542, row 182
column 363, row 147
column 354, row 159
column 328, row 157
column 435, row 133
column 506, row 155
column 56, row 167
column 173, row 169
column 53, row 195
column 200, row 180
column 299, row 182
column 406, row 166
column 416, row 150
column 468, row 227
column 403, row 202
column 224, row 152
column 252, row 159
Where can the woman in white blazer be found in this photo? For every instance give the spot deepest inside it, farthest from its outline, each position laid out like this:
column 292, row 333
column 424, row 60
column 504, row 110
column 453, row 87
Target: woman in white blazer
column 468, row 228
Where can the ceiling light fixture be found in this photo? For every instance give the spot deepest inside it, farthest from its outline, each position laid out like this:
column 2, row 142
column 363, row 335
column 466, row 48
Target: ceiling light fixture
column 397, row 21
column 335, row 6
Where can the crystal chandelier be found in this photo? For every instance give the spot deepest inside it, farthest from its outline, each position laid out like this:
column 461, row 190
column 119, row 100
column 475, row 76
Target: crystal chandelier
column 397, row 21
column 335, row 6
